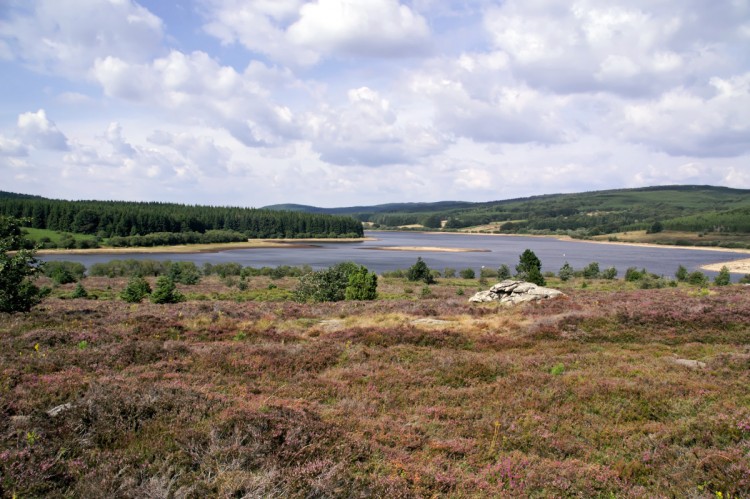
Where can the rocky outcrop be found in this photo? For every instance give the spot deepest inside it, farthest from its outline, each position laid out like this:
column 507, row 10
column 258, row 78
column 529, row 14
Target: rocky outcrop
column 515, row 292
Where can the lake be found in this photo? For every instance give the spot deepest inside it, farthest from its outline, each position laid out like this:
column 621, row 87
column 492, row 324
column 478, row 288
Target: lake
column 494, row 251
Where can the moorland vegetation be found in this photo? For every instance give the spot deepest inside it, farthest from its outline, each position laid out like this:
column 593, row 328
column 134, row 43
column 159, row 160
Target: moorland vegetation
column 630, row 387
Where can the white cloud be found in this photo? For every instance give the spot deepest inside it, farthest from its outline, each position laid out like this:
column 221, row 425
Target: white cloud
column 684, row 123
column 630, row 48
column 36, row 130
column 66, row 37
column 297, row 32
column 12, row 147
column 368, row 131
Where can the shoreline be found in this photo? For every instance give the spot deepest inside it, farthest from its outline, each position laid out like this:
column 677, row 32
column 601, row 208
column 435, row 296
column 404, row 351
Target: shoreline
column 206, row 248
column 436, row 249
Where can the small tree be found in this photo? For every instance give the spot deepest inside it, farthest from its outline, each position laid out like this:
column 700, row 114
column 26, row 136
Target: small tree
column 723, row 279
column 325, row 285
column 184, row 272
column 467, row 273
column 166, row 291
column 420, row 272
column 566, row 272
column 698, row 278
column 591, row 271
column 80, row 292
column 609, row 273
column 136, row 290
column 681, row 274
column 17, row 291
column 363, row 285
column 503, row 272
column 449, row 272
column 529, row 268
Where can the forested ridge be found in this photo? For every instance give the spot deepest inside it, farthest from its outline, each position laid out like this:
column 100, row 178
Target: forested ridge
column 697, row 208
column 122, row 219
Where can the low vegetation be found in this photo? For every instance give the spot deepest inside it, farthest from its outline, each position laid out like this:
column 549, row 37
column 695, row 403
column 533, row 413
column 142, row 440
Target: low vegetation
column 613, row 391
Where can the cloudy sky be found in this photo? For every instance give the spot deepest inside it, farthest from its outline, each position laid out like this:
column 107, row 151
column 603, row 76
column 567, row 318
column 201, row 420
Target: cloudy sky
column 341, row 102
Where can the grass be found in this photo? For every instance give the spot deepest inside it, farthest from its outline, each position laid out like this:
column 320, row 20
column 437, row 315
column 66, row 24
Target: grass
column 54, row 236
column 409, row 396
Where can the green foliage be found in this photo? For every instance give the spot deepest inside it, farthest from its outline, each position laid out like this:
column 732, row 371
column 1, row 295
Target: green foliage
column 503, row 272
column 64, row 272
column 557, row 369
column 325, row 285
column 124, row 221
column 610, row 273
column 591, row 271
column 745, row 279
column 655, row 228
column 698, row 278
column 467, row 273
column 632, row 274
column 363, row 285
column 165, row 291
column 565, row 272
column 136, row 290
column 80, row 292
column 681, row 274
column 17, row 269
column 723, row 278
column 426, row 292
column 420, row 272
column 529, row 268
column 449, row 272
column 184, row 273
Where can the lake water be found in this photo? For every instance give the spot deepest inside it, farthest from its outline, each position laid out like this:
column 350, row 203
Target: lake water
column 497, row 250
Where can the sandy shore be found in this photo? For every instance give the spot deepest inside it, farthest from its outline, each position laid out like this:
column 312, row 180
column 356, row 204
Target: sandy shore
column 207, row 248
column 735, row 267
column 429, row 248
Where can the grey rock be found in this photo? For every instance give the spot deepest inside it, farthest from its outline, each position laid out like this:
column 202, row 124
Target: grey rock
column 692, row 364
column 511, row 292
column 58, row 409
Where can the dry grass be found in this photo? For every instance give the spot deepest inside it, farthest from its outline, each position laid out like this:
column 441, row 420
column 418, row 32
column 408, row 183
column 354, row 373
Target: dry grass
column 401, row 397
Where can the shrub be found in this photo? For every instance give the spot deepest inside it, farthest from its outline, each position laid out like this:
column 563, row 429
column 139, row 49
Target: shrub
column 745, row 279
column 591, row 271
column 426, row 292
column 609, row 274
column 80, row 292
column 467, row 273
column 420, row 272
column 17, row 269
column 362, row 285
column 723, row 279
column 449, row 272
column 136, row 290
column 503, row 272
column 64, row 272
column 681, row 274
column 166, row 291
column 566, row 272
column 633, row 274
column 325, row 285
column 184, row 273
column 487, row 272
column 698, row 278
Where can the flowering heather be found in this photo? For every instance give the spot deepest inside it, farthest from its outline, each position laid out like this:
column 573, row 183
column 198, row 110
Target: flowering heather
column 244, row 393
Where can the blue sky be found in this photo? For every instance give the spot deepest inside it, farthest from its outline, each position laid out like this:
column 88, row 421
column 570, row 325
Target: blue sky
column 342, row 102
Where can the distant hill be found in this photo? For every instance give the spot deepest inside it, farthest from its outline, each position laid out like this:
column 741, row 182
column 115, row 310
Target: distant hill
column 677, row 207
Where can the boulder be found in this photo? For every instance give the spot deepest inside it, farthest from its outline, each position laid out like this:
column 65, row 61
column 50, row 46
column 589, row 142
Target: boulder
column 512, row 292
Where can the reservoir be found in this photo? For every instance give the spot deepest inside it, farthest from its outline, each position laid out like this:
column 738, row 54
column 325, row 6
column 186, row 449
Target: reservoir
column 486, row 250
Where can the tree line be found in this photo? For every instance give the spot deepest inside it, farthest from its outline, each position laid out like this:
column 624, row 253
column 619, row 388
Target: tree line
column 125, row 219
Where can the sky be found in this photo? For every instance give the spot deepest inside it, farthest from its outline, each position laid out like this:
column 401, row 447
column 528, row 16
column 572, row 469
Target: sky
column 361, row 102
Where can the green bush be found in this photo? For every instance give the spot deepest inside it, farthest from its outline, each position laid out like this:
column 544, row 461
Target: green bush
column 136, row 290
column 566, row 272
column 449, row 272
column 681, row 274
column 18, row 266
column 80, row 292
column 467, row 274
column 184, row 273
column 745, row 279
column 609, row 273
column 325, row 285
column 503, row 272
column 64, row 272
column 591, row 271
column 166, row 291
column 632, row 274
column 420, row 272
column 698, row 278
column 723, row 279
column 363, row 285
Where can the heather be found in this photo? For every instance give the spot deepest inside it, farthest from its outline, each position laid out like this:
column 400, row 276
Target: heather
column 239, row 391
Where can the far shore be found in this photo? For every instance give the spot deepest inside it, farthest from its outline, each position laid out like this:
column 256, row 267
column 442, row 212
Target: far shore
column 429, row 248
column 208, row 248
column 735, row 267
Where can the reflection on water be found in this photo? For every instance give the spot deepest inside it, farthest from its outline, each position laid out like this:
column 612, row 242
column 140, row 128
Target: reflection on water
column 500, row 250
